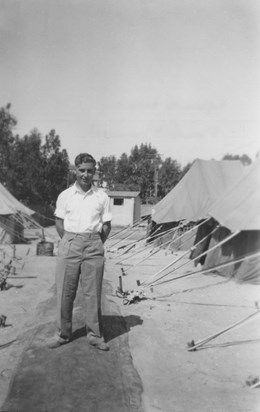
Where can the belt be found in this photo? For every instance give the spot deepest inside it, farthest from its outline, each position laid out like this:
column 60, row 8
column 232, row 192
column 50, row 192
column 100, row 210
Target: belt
column 85, row 235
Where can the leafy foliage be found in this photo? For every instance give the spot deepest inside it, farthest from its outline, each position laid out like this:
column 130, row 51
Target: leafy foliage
column 143, row 170
column 7, row 126
column 245, row 159
column 107, row 170
column 169, row 176
column 25, row 168
column 34, row 172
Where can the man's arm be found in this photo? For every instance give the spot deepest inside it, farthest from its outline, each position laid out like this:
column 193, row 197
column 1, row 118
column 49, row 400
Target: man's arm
column 59, row 223
column 105, row 231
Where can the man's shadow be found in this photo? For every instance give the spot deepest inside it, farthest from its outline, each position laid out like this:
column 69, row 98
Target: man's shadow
column 113, row 326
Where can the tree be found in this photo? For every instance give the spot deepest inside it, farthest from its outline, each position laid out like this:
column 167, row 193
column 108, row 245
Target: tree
column 26, row 166
column 56, row 168
column 134, row 172
column 186, row 169
column 52, row 145
column 245, row 159
column 143, row 170
column 169, row 176
column 7, row 126
column 145, row 161
column 33, row 172
column 124, row 171
column 39, row 171
column 138, row 171
column 107, row 170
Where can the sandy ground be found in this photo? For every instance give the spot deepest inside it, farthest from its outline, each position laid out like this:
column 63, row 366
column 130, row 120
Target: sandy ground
column 213, row 378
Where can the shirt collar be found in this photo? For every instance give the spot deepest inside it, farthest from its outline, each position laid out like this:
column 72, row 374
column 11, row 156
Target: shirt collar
column 78, row 189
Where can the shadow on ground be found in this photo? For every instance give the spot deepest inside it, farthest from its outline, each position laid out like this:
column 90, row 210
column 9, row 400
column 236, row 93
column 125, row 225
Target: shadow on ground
column 77, row 377
column 114, row 326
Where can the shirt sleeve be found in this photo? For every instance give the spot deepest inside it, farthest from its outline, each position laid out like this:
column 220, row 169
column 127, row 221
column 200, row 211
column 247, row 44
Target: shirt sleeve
column 60, row 210
column 107, row 215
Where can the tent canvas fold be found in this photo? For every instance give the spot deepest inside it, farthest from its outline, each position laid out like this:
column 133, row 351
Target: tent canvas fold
column 10, row 205
column 198, row 190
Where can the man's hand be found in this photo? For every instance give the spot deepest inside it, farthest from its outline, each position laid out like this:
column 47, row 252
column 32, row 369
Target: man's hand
column 105, row 231
column 59, row 223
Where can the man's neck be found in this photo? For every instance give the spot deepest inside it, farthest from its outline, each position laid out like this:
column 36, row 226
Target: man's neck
column 84, row 188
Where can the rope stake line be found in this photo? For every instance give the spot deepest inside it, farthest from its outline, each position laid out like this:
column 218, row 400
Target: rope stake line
column 197, row 257
column 192, row 346
column 232, row 262
column 189, row 231
column 256, row 385
column 129, row 227
column 177, row 259
column 145, row 247
column 147, row 257
column 129, row 246
column 148, row 245
column 121, row 240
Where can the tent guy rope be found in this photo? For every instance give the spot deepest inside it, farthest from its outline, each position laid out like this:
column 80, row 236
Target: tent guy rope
column 192, row 346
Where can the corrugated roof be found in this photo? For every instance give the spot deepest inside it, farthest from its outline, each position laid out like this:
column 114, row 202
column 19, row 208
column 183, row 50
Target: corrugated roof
column 122, row 194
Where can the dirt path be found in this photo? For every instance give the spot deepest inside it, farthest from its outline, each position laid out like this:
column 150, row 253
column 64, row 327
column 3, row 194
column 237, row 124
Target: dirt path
column 149, row 366
column 212, row 378
column 76, row 377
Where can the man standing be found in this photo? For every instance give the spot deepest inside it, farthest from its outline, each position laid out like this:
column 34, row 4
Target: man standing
column 83, row 221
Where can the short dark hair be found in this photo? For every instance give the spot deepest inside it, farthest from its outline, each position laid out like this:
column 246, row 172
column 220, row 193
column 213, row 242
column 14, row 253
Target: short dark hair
column 84, row 158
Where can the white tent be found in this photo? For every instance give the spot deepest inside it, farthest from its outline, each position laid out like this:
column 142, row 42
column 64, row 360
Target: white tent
column 198, row 190
column 237, row 211
column 11, row 212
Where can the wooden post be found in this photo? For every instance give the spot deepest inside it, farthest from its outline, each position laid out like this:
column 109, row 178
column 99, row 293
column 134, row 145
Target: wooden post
column 43, row 235
column 120, row 284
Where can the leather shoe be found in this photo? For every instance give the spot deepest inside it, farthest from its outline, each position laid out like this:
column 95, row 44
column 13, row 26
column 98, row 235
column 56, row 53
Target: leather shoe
column 97, row 342
column 56, row 343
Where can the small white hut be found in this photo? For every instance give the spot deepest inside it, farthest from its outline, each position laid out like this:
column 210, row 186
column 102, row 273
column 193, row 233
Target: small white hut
column 125, row 207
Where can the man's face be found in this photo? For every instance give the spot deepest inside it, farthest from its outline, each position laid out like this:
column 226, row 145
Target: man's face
column 84, row 174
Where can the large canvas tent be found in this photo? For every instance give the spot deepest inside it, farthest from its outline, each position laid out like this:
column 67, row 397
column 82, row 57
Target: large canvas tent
column 238, row 210
column 190, row 200
column 197, row 191
column 11, row 210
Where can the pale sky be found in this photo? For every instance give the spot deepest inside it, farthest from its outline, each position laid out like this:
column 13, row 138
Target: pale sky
column 182, row 75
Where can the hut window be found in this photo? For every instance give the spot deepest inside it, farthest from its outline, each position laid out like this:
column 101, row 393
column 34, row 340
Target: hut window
column 118, row 201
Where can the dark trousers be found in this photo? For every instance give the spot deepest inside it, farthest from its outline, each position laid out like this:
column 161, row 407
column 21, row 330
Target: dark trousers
column 80, row 257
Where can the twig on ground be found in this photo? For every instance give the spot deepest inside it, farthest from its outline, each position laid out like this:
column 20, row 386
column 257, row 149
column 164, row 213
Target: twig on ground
column 4, row 345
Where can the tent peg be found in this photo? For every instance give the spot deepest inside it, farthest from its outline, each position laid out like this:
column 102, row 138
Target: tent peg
column 120, row 287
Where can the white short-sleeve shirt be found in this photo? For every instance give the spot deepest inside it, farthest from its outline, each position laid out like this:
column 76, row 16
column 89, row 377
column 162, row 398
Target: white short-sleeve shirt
column 83, row 212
